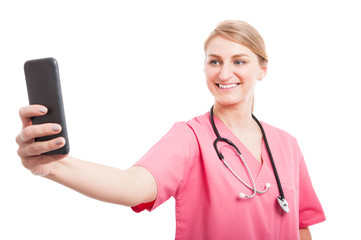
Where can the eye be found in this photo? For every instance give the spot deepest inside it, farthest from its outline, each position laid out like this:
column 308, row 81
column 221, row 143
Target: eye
column 214, row 62
column 239, row 62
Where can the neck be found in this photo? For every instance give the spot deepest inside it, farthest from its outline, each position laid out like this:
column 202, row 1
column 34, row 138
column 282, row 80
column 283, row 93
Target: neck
column 236, row 117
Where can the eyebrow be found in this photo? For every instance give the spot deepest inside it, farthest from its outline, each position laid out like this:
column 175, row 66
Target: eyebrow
column 234, row 56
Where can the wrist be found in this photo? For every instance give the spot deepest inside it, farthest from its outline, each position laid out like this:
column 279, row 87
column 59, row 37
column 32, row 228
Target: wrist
column 57, row 167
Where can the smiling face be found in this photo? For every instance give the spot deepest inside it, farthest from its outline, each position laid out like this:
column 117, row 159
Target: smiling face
column 232, row 71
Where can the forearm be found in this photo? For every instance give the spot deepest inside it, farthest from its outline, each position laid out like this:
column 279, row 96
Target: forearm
column 101, row 182
column 305, row 234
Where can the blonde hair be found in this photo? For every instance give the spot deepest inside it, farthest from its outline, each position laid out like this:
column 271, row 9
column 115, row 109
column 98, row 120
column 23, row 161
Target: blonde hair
column 242, row 33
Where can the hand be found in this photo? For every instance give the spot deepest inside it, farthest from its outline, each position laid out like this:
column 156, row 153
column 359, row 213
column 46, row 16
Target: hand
column 29, row 150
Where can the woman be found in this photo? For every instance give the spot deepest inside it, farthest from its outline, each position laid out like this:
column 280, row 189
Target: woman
column 212, row 202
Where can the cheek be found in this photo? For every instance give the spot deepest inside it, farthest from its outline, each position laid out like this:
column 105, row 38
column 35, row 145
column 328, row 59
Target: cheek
column 210, row 74
column 210, row 78
column 210, row 84
column 248, row 76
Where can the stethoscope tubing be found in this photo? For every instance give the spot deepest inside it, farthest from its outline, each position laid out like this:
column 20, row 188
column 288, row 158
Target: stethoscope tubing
column 281, row 199
column 221, row 157
column 279, row 185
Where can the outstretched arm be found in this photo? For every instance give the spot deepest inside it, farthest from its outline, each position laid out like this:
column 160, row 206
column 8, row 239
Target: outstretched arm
column 126, row 187
column 129, row 187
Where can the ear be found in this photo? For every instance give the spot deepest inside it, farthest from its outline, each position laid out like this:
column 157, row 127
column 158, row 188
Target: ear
column 262, row 72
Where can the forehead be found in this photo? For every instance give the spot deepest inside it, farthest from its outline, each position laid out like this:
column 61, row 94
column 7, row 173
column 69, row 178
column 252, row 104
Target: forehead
column 226, row 48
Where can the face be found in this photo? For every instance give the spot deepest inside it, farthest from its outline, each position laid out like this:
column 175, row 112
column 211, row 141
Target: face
column 232, row 71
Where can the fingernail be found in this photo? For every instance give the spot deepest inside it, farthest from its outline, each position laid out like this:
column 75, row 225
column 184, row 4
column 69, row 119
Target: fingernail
column 55, row 128
column 59, row 141
column 42, row 109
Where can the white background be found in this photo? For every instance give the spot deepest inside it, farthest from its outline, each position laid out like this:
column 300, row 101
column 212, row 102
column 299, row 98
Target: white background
column 130, row 69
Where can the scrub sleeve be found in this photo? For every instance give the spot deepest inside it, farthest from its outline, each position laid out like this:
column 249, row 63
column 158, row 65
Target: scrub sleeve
column 310, row 209
column 170, row 162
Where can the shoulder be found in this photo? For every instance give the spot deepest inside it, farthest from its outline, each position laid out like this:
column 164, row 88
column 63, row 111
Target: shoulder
column 199, row 122
column 279, row 135
column 191, row 129
column 186, row 131
column 283, row 141
column 180, row 132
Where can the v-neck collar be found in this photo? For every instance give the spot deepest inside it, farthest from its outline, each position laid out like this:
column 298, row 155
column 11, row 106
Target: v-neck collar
column 255, row 166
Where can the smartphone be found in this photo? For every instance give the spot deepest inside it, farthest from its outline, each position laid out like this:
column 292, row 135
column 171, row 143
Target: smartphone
column 43, row 86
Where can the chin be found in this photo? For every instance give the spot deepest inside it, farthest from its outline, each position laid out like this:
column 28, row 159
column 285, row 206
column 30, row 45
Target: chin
column 227, row 102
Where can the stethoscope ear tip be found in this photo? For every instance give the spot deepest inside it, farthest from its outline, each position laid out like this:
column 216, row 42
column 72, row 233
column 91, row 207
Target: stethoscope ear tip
column 242, row 195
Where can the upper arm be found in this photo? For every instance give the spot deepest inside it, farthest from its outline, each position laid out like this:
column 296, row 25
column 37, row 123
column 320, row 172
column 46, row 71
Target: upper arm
column 146, row 186
column 305, row 234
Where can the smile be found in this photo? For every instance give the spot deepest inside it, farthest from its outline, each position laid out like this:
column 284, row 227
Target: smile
column 228, row 86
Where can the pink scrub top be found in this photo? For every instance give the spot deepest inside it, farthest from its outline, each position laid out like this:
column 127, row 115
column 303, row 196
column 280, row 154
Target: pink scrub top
column 186, row 167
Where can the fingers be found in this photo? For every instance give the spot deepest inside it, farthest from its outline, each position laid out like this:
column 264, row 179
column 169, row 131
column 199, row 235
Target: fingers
column 28, row 146
column 37, row 148
column 34, row 131
column 27, row 112
column 31, row 151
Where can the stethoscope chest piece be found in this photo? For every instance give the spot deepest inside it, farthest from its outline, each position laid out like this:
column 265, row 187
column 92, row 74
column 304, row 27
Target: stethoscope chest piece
column 283, row 203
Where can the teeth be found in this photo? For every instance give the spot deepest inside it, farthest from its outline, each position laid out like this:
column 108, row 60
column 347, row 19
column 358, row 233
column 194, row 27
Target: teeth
column 228, row 85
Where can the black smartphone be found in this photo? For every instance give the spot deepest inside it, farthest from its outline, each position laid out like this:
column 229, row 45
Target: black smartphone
column 43, row 85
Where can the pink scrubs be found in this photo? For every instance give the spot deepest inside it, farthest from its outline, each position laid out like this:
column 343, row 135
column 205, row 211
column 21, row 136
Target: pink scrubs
column 186, row 167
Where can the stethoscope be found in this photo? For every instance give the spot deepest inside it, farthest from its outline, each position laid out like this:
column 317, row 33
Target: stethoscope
column 281, row 199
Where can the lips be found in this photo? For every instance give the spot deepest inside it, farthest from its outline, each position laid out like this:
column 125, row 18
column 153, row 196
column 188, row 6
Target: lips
column 228, row 86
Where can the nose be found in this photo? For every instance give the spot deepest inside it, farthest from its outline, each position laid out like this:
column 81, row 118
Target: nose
column 225, row 73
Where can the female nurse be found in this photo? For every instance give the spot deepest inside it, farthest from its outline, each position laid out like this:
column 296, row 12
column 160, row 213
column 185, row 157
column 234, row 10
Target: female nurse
column 210, row 198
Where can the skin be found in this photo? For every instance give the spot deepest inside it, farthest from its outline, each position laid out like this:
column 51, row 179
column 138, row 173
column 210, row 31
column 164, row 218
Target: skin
column 226, row 63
